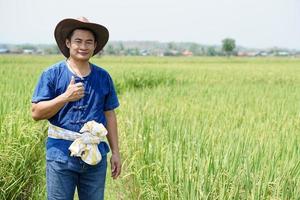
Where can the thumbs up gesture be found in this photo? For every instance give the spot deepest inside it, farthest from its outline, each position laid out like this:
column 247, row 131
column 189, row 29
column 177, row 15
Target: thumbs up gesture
column 72, row 82
column 75, row 91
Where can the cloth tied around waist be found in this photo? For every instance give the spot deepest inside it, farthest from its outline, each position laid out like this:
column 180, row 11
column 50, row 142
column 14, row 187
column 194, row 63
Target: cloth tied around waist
column 85, row 143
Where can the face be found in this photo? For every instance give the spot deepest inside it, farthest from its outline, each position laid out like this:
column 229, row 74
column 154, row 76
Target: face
column 82, row 45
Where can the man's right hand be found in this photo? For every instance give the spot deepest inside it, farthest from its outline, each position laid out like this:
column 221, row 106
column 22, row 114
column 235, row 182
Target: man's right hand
column 75, row 91
column 47, row 109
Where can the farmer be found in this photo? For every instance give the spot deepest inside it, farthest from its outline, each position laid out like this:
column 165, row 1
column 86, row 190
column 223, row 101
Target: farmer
column 78, row 99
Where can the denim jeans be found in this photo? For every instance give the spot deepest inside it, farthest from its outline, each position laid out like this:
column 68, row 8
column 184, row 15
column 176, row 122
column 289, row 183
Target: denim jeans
column 64, row 175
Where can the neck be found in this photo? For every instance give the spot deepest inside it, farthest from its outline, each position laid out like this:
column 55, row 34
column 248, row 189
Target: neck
column 81, row 68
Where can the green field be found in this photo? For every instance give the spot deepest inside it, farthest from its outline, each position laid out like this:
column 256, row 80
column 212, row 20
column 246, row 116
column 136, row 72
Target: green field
column 190, row 128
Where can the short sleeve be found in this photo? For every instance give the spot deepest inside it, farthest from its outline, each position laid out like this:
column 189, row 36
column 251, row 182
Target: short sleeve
column 44, row 90
column 111, row 99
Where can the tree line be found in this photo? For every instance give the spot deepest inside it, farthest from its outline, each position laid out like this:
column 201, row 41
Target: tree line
column 227, row 47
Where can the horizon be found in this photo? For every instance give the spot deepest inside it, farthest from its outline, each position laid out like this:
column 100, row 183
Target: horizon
column 176, row 42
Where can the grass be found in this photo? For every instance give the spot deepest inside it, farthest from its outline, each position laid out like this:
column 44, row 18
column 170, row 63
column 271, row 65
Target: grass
column 190, row 128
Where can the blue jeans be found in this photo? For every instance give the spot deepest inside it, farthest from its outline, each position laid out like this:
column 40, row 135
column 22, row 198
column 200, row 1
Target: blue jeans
column 64, row 175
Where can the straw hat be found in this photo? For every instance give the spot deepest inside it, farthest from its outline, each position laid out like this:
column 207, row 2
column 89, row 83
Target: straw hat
column 66, row 26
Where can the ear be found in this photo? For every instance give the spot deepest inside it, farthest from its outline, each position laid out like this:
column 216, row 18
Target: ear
column 68, row 43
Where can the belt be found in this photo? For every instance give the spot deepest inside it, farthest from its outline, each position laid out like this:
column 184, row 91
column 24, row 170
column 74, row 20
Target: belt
column 85, row 143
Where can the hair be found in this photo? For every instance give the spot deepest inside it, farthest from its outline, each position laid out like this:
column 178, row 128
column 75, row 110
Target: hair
column 86, row 29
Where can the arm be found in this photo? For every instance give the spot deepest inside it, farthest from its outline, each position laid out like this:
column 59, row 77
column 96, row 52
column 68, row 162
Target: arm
column 47, row 109
column 112, row 137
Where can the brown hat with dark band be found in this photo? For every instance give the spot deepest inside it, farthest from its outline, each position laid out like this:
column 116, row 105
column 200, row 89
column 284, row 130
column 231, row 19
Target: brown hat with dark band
column 66, row 26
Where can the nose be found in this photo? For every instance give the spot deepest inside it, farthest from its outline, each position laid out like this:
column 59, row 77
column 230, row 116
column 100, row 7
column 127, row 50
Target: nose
column 83, row 46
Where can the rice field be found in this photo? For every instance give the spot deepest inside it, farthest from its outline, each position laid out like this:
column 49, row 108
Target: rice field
column 190, row 128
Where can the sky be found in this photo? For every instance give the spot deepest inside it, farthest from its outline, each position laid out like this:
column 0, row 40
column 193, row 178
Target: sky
column 252, row 23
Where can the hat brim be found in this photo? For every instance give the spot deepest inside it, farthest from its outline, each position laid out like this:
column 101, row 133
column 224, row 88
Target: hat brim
column 64, row 27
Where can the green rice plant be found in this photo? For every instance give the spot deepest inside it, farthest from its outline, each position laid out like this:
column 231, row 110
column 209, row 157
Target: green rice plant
column 190, row 128
column 133, row 80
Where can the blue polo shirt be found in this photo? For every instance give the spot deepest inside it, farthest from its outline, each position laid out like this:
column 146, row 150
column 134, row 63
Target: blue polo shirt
column 100, row 96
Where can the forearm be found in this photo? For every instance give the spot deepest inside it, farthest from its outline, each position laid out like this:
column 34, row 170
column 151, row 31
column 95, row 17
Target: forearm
column 112, row 129
column 47, row 109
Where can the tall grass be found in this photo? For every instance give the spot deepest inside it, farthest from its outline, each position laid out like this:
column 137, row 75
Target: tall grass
column 21, row 140
column 190, row 128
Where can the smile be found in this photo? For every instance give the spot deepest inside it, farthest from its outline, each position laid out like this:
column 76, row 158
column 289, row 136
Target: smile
column 83, row 53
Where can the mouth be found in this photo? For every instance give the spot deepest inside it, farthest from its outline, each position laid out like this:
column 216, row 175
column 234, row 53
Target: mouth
column 83, row 53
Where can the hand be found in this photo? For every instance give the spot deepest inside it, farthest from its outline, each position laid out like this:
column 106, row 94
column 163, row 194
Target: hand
column 115, row 162
column 75, row 91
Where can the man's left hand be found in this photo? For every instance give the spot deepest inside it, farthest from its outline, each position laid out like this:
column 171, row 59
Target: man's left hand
column 115, row 162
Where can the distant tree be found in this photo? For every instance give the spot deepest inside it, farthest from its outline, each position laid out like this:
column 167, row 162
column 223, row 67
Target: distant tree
column 110, row 49
column 120, row 50
column 211, row 51
column 53, row 49
column 195, row 48
column 171, row 46
column 228, row 45
column 203, row 50
column 132, row 52
column 28, row 46
column 121, row 46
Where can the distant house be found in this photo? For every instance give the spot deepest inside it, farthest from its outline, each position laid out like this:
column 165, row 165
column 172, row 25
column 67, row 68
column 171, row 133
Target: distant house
column 248, row 54
column 28, row 51
column 242, row 53
column 171, row 53
column 157, row 52
column 262, row 53
column 40, row 51
column 283, row 53
column 187, row 53
column 144, row 52
column 252, row 53
column 3, row 50
column 16, row 50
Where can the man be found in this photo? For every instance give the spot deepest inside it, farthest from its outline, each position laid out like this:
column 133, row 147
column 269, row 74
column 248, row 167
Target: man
column 69, row 95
